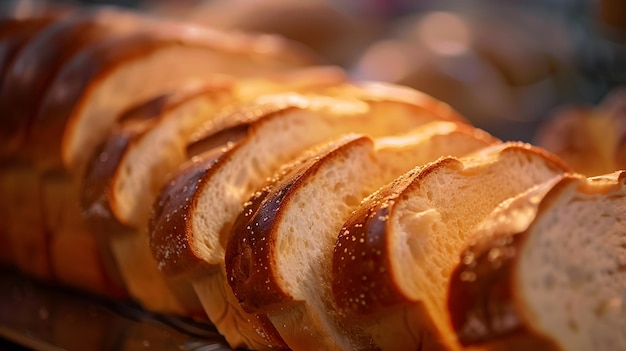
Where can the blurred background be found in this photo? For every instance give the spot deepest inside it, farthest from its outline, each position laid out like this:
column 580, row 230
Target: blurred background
column 506, row 65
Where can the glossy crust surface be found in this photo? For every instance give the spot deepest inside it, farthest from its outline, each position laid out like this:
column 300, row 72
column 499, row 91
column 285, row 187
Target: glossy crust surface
column 363, row 252
column 15, row 34
column 35, row 66
column 483, row 296
column 361, row 249
column 169, row 226
column 251, row 249
column 96, row 189
column 97, row 199
column 66, row 94
column 487, row 298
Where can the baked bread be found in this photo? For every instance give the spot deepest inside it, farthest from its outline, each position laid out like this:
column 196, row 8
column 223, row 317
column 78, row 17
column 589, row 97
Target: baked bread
column 17, row 27
column 19, row 23
column 98, row 84
column 35, row 65
column 186, row 242
column 20, row 215
column 283, row 240
column 132, row 166
column 23, row 84
column 68, row 243
column 404, row 241
column 118, row 238
column 70, row 57
column 547, row 271
column 135, row 177
column 294, row 137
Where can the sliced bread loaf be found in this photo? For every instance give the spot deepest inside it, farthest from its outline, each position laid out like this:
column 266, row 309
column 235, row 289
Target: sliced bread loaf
column 394, row 256
column 547, row 271
column 26, row 79
column 279, row 255
column 291, row 124
column 19, row 23
column 89, row 93
column 188, row 242
column 100, row 63
column 35, row 65
column 17, row 29
column 132, row 166
column 154, row 148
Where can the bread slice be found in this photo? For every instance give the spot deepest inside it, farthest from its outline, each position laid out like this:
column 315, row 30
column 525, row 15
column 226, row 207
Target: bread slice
column 325, row 116
column 279, row 256
column 187, row 242
column 155, row 145
column 404, row 241
column 122, row 243
column 106, row 57
column 34, row 66
column 142, row 150
column 547, row 270
column 89, row 93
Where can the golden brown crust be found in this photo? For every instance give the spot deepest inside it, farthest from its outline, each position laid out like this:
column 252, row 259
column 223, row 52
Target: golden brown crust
column 480, row 292
column 13, row 38
column 97, row 200
column 174, row 249
column 251, row 248
column 35, row 66
column 225, row 136
column 361, row 253
column 241, row 261
column 65, row 95
column 74, row 80
column 96, row 188
column 481, row 296
column 234, row 118
column 21, row 29
column 169, row 225
column 365, row 232
column 482, row 301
